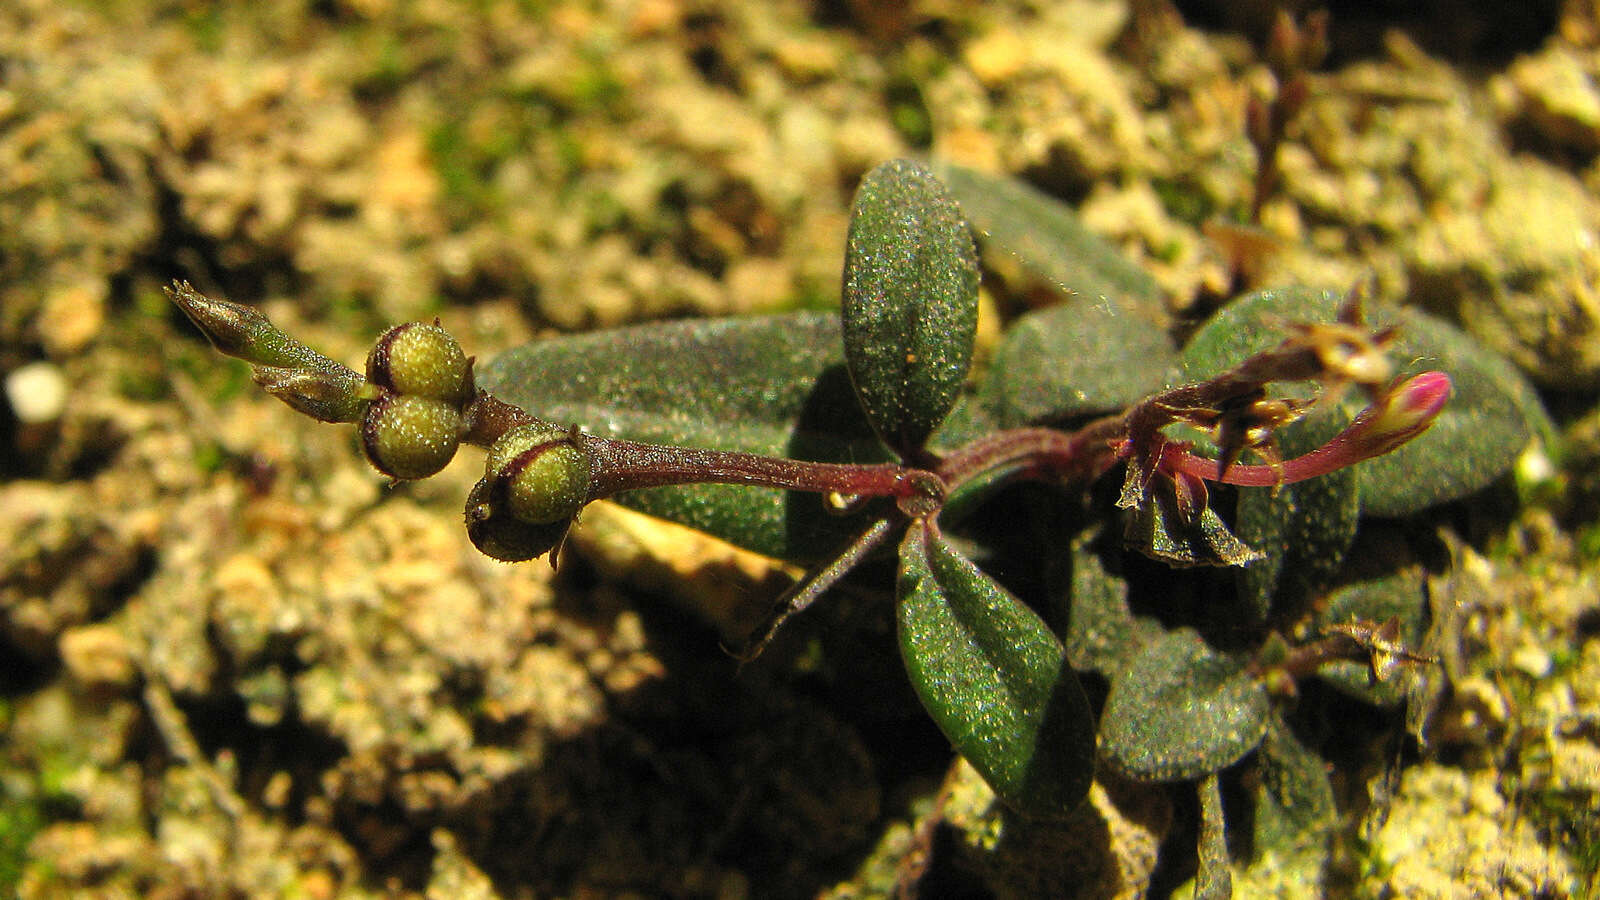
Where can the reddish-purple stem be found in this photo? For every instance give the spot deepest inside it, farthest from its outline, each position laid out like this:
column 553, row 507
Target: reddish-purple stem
column 621, row 465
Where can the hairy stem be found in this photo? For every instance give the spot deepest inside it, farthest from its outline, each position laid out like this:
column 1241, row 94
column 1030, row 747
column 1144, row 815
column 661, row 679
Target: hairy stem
column 1039, row 453
column 621, row 465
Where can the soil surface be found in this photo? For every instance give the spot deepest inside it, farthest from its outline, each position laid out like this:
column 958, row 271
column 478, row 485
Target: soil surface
column 234, row 662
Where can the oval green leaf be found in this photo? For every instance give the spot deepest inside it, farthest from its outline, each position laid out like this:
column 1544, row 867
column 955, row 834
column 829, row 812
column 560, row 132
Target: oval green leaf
column 910, row 302
column 767, row 384
column 1294, row 804
column 1020, row 226
column 1180, row 711
column 1077, row 359
column 1101, row 630
column 1103, row 348
column 994, row 679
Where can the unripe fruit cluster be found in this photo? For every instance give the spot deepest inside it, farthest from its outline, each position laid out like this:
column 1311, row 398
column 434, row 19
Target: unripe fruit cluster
column 536, row 477
column 535, row 481
column 414, row 427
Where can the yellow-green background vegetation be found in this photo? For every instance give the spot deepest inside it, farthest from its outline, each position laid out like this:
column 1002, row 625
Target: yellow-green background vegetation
column 234, row 663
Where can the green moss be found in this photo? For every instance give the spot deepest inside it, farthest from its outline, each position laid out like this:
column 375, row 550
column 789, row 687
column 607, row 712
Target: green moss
column 390, row 65
column 205, row 23
column 595, row 85
column 31, row 796
column 1572, row 819
column 459, row 175
column 142, row 374
column 209, row 458
column 1184, row 200
column 1589, row 542
column 909, row 114
column 20, row 820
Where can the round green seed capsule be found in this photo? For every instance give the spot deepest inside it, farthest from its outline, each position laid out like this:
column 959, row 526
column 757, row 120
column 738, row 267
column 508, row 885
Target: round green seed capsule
column 499, row 535
column 541, row 471
column 423, row 361
column 410, row 437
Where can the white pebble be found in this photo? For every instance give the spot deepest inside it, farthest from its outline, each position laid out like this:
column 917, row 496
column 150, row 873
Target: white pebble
column 38, row 392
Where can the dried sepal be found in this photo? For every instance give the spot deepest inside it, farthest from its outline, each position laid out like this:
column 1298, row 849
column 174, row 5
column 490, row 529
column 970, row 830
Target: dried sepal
column 1169, row 520
column 1346, row 355
column 1384, row 645
column 1247, row 422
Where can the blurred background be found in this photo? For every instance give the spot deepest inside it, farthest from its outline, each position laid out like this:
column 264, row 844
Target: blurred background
column 233, row 662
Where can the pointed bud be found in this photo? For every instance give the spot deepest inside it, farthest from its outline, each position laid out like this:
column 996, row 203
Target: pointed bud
column 243, row 333
column 1283, row 43
column 1314, row 40
column 336, row 396
column 1402, row 413
column 1348, row 353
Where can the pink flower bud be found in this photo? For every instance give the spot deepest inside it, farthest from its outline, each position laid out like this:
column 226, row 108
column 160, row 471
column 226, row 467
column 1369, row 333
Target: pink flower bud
column 1399, row 414
column 1405, row 411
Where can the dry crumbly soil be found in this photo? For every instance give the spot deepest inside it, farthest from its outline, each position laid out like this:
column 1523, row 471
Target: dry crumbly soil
column 234, row 663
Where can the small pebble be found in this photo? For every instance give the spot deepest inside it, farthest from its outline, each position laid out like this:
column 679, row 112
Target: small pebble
column 98, row 656
column 37, row 392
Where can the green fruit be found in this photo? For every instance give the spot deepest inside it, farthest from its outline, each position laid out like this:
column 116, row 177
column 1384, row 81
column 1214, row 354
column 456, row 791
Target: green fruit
column 410, row 437
column 540, row 472
column 500, row 535
column 423, row 361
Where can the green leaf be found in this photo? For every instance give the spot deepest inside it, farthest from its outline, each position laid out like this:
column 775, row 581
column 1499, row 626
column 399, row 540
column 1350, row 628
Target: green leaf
column 1304, row 531
column 769, row 384
column 1180, row 710
column 1292, row 816
column 1101, row 630
column 1294, row 799
column 1020, row 226
column 1487, row 423
column 1076, row 359
column 994, row 678
column 910, row 302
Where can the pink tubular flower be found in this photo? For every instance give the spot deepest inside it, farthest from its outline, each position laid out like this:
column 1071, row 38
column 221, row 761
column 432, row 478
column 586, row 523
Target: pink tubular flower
column 1400, row 414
